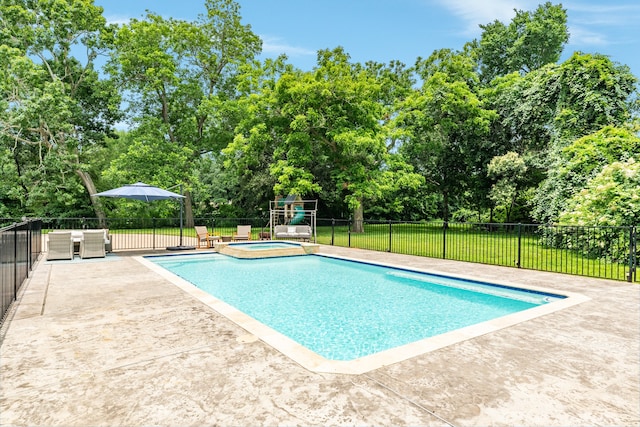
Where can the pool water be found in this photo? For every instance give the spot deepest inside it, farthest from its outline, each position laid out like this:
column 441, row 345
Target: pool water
column 344, row 310
column 259, row 246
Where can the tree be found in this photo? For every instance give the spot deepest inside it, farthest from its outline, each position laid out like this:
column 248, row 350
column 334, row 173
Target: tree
column 447, row 124
column 181, row 76
column 530, row 41
column 525, row 107
column 580, row 162
column 56, row 110
column 508, row 171
column 145, row 157
column 610, row 198
column 396, row 83
column 547, row 109
column 247, row 159
column 323, row 134
column 592, row 91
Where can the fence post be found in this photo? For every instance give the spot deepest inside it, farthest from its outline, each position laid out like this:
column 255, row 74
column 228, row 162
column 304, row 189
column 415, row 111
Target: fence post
column 29, row 243
column 519, row 243
column 153, row 227
column 390, row 235
column 632, row 253
column 15, row 261
column 333, row 226
column 349, row 233
column 444, row 239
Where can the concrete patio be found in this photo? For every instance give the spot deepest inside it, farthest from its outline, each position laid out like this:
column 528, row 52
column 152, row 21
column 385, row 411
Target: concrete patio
column 109, row 342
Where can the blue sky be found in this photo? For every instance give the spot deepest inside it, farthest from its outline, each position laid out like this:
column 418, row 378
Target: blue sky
column 384, row 30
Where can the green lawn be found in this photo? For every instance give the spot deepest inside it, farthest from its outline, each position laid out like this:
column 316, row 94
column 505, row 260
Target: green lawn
column 465, row 243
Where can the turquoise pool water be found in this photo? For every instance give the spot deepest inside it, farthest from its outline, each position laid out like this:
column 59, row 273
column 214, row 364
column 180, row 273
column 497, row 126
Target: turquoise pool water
column 343, row 310
column 263, row 246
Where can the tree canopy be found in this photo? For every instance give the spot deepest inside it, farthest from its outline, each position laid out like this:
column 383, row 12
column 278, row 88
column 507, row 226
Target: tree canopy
column 500, row 128
column 530, row 41
column 56, row 110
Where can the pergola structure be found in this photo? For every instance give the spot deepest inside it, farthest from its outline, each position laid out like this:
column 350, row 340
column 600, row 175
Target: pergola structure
column 292, row 210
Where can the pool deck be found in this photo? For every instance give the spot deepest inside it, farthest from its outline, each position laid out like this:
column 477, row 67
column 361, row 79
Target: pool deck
column 110, row 342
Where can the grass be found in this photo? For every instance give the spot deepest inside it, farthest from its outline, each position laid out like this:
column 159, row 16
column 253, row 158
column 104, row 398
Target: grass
column 466, row 243
column 463, row 242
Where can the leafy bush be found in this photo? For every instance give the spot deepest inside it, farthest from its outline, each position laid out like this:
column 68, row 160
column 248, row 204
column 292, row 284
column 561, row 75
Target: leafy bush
column 608, row 243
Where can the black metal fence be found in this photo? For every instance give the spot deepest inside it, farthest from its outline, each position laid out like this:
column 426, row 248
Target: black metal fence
column 604, row 252
column 154, row 233
column 20, row 246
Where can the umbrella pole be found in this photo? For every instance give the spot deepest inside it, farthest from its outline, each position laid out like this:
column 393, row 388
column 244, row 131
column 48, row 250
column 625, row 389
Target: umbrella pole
column 181, row 208
column 181, row 247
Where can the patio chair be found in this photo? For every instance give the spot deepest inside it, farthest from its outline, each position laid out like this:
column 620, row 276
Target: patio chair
column 92, row 244
column 204, row 237
column 243, row 233
column 60, row 245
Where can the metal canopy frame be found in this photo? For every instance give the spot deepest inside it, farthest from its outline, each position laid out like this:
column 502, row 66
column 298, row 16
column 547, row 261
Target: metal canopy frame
column 281, row 210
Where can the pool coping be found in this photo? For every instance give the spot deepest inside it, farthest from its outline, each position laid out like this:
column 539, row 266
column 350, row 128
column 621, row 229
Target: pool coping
column 296, row 248
column 316, row 363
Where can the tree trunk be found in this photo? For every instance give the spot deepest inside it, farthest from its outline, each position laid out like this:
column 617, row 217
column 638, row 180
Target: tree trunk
column 358, row 218
column 510, row 209
column 95, row 201
column 445, row 206
column 188, row 210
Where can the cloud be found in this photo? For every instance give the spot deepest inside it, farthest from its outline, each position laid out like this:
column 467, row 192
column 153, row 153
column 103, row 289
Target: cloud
column 619, row 9
column 275, row 46
column 602, row 24
column 590, row 23
column 579, row 35
column 475, row 13
column 117, row 19
column 611, row 15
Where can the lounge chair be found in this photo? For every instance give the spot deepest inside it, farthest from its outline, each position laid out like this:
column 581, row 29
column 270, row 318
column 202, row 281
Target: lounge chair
column 60, row 245
column 92, row 244
column 243, row 233
column 204, row 237
column 76, row 236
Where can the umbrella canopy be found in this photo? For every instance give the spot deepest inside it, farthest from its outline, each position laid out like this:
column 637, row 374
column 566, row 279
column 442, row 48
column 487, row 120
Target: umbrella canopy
column 140, row 191
column 147, row 193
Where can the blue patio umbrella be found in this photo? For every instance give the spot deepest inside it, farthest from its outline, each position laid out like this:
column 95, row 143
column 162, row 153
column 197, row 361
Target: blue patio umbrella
column 140, row 191
column 147, row 193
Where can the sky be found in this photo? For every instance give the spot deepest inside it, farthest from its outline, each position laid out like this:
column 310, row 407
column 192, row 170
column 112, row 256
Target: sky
column 386, row 30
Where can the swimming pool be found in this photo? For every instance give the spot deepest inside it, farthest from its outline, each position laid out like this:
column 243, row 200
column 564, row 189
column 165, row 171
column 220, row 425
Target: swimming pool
column 263, row 246
column 265, row 249
column 342, row 311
